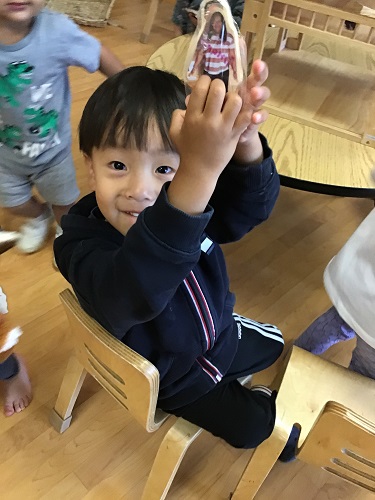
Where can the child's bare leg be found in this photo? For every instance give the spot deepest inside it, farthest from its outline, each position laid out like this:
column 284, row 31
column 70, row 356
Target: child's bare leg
column 60, row 210
column 17, row 390
column 30, row 209
column 363, row 359
column 327, row 330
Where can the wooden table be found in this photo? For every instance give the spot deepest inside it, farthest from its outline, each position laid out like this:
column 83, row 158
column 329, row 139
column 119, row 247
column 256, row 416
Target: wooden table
column 307, row 158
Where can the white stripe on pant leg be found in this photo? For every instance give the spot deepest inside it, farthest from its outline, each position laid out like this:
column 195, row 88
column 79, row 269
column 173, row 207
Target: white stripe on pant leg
column 248, row 321
column 274, row 333
column 261, row 388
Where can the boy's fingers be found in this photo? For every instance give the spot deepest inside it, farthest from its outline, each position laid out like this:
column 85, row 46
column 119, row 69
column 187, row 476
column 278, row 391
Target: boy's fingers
column 243, row 121
column 258, row 74
column 215, row 98
column 199, row 93
column 259, row 117
column 258, row 96
column 177, row 121
column 232, row 108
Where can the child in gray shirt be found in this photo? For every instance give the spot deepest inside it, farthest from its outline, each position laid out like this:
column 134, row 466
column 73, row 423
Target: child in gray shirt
column 37, row 47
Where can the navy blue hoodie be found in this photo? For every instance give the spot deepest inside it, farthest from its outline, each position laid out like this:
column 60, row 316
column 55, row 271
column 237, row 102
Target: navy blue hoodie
column 163, row 288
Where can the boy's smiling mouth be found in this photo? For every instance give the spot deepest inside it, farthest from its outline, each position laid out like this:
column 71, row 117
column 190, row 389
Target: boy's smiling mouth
column 17, row 5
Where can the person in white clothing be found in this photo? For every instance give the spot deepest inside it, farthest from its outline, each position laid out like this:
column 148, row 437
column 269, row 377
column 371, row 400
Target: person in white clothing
column 349, row 280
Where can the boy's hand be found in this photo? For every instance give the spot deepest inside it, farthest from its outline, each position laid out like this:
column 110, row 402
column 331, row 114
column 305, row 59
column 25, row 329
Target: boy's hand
column 206, row 136
column 207, row 133
column 254, row 95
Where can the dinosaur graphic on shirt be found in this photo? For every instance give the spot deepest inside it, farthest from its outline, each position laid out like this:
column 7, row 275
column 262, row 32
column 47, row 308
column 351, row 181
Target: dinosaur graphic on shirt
column 18, row 77
column 9, row 134
column 42, row 122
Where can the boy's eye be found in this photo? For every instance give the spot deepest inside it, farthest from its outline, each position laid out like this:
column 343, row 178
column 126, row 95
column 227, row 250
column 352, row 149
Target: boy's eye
column 118, row 165
column 164, row 169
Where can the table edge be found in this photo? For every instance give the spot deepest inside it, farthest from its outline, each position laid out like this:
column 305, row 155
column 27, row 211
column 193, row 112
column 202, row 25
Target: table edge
column 316, row 187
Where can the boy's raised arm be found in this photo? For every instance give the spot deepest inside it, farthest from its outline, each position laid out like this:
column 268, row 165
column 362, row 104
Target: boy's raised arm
column 254, row 95
column 206, row 136
column 216, row 127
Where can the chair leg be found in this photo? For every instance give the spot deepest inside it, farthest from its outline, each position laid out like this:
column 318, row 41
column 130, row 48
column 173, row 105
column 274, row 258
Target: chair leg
column 281, row 40
column 61, row 414
column 295, row 43
column 149, row 20
column 168, row 458
column 261, row 463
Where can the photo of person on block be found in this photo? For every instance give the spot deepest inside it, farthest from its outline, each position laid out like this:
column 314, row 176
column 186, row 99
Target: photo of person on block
column 215, row 48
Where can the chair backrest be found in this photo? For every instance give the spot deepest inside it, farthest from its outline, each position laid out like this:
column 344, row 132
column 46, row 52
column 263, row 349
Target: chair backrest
column 342, row 443
column 131, row 379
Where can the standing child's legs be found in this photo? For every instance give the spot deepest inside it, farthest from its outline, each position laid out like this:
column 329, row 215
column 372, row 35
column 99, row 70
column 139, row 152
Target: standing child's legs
column 242, row 417
column 325, row 331
column 363, row 359
column 57, row 186
column 16, row 383
column 34, row 232
column 16, row 198
column 30, row 209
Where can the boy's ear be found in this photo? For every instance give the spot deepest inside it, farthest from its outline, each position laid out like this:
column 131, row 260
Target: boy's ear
column 90, row 169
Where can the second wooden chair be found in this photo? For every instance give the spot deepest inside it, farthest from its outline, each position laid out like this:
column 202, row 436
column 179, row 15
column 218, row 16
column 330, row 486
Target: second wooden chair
column 335, row 410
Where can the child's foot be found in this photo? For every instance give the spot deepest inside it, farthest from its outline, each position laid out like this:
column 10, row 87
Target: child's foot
column 289, row 452
column 34, row 233
column 58, row 233
column 17, row 390
column 8, row 236
column 327, row 330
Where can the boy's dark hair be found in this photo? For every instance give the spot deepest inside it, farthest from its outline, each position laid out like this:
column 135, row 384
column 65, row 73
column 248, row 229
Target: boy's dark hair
column 120, row 111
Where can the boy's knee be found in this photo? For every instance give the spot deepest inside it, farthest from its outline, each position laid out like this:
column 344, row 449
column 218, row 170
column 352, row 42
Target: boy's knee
column 278, row 349
column 254, row 425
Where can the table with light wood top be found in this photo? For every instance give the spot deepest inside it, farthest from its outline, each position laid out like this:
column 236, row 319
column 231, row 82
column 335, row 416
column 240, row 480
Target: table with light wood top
column 306, row 158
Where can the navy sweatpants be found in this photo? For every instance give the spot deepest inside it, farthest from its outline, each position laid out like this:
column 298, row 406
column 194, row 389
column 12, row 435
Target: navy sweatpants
column 9, row 368
column 241, row 416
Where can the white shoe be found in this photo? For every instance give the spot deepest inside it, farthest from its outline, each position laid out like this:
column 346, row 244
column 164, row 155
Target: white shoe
column 34, row 232
column 58, row 233
column 8, row 236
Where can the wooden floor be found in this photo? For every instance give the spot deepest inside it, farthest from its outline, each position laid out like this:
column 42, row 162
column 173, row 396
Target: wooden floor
column 276, row 272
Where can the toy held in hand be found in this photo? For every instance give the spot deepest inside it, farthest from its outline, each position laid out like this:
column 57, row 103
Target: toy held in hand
column 217, row 48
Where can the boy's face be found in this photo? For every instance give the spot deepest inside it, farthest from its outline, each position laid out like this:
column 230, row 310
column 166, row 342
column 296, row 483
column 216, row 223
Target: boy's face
column 20, row 10
column 126, row 181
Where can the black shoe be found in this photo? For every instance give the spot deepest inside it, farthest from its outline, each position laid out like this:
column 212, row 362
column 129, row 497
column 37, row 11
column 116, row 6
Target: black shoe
column 289, row 452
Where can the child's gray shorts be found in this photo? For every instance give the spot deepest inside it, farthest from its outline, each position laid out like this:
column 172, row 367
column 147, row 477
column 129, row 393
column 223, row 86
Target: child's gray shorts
column 56, row 184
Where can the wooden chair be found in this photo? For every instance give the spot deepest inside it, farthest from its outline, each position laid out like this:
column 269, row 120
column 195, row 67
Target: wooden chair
column 150, row 18
column 348, row 452
column 132, row 380
column 335, row 409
